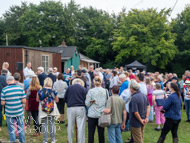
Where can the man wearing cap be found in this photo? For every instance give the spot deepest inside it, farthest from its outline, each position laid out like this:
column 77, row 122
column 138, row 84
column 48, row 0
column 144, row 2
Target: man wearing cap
column 55, row 71
column 175, row 80
column 41, row 75
column 2, row 85
column 27, row 69
column 91, row 72
column 12, row 97
column 75, row 96
column 50, row 75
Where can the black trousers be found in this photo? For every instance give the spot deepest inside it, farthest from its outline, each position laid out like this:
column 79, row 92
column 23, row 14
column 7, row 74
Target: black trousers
column 170, row 125
column 37, row 127
column 92, row 124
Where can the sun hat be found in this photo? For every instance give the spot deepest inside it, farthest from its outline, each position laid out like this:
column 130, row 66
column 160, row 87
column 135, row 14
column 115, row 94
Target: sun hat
column 78, row 81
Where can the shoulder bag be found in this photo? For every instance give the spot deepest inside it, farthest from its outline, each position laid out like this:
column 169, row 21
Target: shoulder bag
column 105, row 119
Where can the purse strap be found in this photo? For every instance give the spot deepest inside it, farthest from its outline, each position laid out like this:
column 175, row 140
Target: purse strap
column 111, row 99
column 128, row 99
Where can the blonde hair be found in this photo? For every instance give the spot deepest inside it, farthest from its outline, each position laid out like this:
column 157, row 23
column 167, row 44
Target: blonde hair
column 35, row 84
column 148, row 82
column 48, row 82
column 126, row 74
column 97, row 81
column 4, row 65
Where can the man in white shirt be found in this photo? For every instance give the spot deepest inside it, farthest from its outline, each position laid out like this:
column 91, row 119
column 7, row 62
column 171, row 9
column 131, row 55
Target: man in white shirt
column 55, row 71
column 27, row 69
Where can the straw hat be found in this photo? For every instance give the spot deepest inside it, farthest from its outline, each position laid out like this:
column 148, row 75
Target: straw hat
column 78, row 81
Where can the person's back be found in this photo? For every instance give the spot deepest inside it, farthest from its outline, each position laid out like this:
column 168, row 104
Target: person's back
column 75, row 98
column 100, row 95
column 75, row 95
column 41, row 78
column 27, row 83
column 53, row 77
column 143, row 88
column 118, row 107
column 173, row 106
column 141, row 106
column 2, row 82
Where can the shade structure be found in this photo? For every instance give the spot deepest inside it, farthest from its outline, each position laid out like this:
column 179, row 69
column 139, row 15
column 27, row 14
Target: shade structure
column 136, row 65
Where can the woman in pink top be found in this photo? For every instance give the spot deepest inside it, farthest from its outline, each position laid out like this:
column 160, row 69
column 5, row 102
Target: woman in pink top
column 150, row 89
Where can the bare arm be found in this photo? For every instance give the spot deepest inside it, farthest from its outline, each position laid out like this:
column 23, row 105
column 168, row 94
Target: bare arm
column 124, row 119
column 153, row 100
column 56, row 99
column 37, row 98
column 24, row 101
column 106, row 110
column 138, row 117
column 2, row 103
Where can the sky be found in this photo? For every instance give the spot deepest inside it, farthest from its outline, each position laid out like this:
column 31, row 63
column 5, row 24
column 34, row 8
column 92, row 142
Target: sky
column 111, row 5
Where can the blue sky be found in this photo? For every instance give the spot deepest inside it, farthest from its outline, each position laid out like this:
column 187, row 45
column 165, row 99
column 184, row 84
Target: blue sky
column 111, row 5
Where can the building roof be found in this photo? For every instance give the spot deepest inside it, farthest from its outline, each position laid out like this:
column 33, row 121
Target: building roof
column 66, row 52
column 86, row 59
column 31, row 48
column 135, row 64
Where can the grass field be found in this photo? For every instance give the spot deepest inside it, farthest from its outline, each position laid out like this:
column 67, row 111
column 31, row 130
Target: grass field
column 151, row 136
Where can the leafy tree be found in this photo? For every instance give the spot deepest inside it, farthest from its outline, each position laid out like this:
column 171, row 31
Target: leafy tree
column 2, row 29
column 145, row 35
column 95, row 34
column 12, row 29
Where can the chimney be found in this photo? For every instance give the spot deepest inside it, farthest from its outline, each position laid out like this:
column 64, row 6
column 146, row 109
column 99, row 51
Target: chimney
column 63, row 43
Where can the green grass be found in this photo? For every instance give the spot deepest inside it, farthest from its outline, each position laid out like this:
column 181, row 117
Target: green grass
column 150, row 135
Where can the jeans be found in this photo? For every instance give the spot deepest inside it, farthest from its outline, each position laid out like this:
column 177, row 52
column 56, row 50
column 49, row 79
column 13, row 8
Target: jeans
column 45, row 121
column 1, row 115
column 37, row 127
column 170, row 125
column 92, row 124
column 187, row 108
column 151, row 115
column 77, row 114
column 114, row 133
column 20, row 127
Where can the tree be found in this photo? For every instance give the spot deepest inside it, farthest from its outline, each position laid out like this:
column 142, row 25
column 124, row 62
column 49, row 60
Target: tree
column 182, row 29
column 2, row 30
column 95, row 34
column 12, row 29
column 145, row 35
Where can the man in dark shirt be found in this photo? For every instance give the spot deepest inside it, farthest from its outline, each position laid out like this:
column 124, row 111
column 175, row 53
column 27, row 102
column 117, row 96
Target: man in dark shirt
column 75, row 96
column 50, row 75
column 2, row 85
column 139, row 110
column 78, row 76
column 91, row 72
column 41, row 75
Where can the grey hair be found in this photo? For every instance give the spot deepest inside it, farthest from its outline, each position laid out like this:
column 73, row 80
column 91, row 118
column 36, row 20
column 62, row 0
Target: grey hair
column 134, row 85
column 160, row 77
column 96, row 72
column 122, row 76
column 187, row 71
column 50, row 70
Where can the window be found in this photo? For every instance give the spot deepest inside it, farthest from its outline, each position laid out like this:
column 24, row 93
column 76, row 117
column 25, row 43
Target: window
column 45, row 62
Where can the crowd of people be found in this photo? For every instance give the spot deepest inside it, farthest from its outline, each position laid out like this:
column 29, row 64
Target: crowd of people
column 131, row 97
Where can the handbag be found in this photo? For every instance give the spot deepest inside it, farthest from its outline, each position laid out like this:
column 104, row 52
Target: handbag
column 105, row 119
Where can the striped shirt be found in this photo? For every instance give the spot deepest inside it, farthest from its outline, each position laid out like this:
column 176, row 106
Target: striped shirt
column 13, row 95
